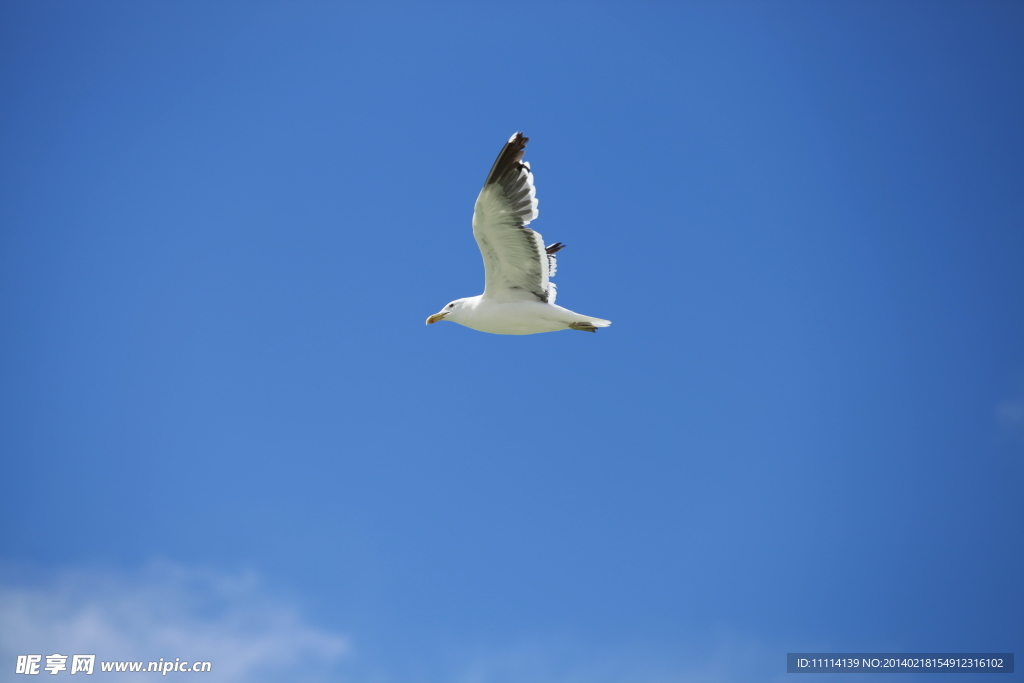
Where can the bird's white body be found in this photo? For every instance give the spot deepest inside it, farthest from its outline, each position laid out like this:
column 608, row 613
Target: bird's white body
column 515, row 317
column 518, row 297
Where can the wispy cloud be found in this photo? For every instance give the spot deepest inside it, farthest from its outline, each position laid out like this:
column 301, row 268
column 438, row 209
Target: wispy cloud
column 231, row 620
column 733, row 660
column 1011, row 414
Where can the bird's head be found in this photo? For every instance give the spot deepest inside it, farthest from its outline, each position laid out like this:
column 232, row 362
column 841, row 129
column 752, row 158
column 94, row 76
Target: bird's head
column 450, row 312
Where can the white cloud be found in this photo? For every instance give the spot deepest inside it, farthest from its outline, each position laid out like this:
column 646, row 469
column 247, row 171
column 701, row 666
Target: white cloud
column 164, row 611
column 251, row 636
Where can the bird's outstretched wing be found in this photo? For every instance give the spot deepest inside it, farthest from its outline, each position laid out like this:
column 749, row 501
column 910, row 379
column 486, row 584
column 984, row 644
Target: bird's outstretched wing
column 517, row 263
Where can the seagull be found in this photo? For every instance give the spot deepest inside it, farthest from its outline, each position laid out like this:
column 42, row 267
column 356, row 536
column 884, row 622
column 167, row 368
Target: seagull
column 518, row 297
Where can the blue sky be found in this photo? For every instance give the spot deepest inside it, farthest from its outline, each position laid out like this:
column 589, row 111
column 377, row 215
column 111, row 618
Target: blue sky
column 223, row 225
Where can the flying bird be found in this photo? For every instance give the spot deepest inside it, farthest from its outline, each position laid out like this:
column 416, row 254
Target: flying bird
column 518, row 297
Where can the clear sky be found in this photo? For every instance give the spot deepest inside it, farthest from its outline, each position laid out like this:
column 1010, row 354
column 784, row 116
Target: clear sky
column 226, row 433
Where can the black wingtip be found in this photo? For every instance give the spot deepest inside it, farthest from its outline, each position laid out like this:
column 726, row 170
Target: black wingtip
column 510, row 155
column 554, row 248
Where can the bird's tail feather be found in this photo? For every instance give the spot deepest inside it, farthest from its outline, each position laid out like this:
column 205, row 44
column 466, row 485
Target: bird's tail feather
column 590, row 324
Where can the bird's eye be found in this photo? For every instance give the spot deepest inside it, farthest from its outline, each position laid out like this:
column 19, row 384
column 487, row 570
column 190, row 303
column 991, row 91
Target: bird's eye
column 450, row 305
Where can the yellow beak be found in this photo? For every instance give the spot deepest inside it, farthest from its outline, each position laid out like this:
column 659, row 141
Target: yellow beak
column 434, row 318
